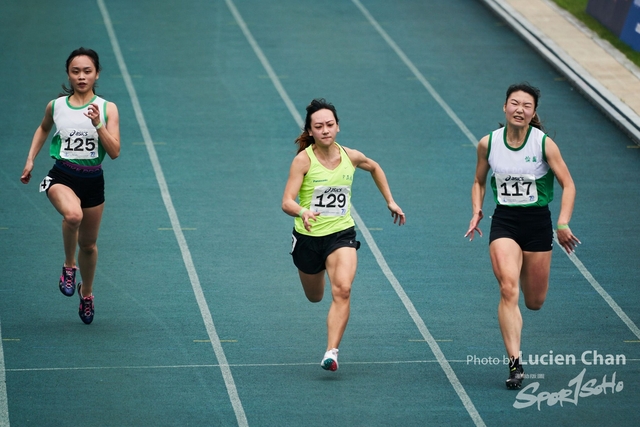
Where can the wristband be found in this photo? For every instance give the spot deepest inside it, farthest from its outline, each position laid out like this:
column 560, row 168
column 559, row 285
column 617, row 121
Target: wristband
column 303, row 210
column 99, row 126
column 562, row 226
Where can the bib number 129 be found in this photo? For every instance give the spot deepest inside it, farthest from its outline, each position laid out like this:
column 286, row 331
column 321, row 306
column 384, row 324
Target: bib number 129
column 330, row 201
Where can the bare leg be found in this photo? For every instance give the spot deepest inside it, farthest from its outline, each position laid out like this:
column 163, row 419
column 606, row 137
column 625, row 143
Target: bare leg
column 534, row 278
column 506, row 259
column 68, row 205
column 313, row 285
column 341, row 268
column 88, row 253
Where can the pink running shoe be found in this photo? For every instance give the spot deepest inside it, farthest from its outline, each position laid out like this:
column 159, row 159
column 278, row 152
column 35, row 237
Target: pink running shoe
column 67, row 283
column 86, row 307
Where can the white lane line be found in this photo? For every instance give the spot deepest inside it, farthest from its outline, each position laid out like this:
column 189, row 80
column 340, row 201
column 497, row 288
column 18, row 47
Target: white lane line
column 416, row 72
column 435, row 348
column 363, row 228
column 265, row 63
column 243, row 365
column 235, row 365
column 175, row 223
column 604, row 294
column 4, row 404
column 616, row 308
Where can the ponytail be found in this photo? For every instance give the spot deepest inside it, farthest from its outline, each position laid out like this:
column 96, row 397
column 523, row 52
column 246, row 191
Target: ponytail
column 304, row 140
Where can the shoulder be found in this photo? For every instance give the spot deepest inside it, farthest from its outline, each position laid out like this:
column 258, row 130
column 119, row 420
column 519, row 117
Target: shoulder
column 48, row 111
column 301, row 162
column 550, row 147
column 61, row 100
column 537, row 131
column 538, row 136
column 484, row 141
column 484, row 144
column 112, row 108
column 355, row 156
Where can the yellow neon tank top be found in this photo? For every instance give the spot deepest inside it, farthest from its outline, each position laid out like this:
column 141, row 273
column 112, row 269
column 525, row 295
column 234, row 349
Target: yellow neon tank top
column 329, row 193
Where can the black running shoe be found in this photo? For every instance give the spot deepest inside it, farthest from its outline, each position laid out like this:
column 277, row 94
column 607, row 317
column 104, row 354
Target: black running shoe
column 67, row 282
column 86, row 307
column 516, row 375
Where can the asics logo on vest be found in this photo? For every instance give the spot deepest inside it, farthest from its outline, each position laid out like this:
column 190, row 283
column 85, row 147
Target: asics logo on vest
column 514, row 178
column 78, row 133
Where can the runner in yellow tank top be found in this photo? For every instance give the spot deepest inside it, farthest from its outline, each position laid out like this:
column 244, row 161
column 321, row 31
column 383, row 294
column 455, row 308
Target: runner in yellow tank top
column 318, row 194
column 326, row 192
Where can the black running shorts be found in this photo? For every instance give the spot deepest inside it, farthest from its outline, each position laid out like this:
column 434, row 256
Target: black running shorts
column 529, row 227
column 88, row 186
column 310, row 253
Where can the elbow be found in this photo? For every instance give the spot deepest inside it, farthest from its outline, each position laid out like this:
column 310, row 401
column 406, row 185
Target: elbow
column 568, row 187
column 114, row 153
column 284, row 208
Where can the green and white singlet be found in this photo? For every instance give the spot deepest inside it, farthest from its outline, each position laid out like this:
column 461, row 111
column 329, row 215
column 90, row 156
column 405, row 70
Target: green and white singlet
column 76, row 139
column 327, row 192
column 520, row 176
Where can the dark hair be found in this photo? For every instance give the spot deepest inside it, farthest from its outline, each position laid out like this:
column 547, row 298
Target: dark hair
column 535, row 93
column 92, row 54
column 305, row 139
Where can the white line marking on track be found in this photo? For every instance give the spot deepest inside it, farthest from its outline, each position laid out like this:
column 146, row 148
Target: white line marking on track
column 604, row 294
column 416, row 72
column 385, row 268
column 435, row 348
column 235, row 365
column 173, row 216
column 265, row 63
column 238, row 365
column 4, row 404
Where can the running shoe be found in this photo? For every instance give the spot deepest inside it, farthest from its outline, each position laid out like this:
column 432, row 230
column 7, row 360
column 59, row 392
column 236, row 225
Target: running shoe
column 516, row 375
column 86, row 307
column 330, row 360
column 67, row 283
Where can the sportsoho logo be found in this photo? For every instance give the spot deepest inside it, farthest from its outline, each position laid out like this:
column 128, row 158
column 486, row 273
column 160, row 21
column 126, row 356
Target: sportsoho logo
column 579, row 387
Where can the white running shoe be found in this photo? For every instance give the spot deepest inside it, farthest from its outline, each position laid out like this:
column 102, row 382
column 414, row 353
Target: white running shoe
column 330, row 360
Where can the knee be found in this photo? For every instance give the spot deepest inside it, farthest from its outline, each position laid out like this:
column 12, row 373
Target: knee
column 88, row 248
column 342, row 292
column 73, row 218
column 509, row 293
column 314, row 298
column 535, row 304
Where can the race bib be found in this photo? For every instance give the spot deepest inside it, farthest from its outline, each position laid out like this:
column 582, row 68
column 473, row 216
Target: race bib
column 331, row 201
column 45, row 184
column 79, row 144
column 516, row 189
column 293, row 244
